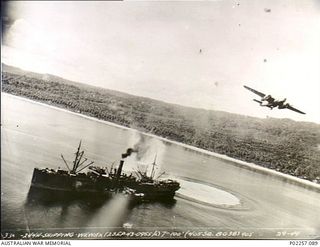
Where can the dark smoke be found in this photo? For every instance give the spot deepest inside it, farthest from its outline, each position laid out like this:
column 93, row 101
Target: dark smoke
column 128, row 153
column 140, row 147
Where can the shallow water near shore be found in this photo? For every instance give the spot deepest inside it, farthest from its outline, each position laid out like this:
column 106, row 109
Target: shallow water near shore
column 215, row 195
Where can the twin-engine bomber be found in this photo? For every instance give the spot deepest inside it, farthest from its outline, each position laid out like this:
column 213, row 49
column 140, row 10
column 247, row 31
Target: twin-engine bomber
column 269, row 101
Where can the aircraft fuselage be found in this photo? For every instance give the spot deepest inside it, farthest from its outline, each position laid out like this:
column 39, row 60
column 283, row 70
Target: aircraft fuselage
column 269, row 101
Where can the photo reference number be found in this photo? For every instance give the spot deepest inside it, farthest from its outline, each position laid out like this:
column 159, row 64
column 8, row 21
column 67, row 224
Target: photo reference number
column 304, row 243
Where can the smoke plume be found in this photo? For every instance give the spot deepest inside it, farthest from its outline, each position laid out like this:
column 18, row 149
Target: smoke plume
column 143, row 151
column 128, row 153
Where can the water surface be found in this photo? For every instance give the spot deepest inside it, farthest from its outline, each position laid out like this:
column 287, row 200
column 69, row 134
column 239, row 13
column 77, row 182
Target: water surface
column 215, row 195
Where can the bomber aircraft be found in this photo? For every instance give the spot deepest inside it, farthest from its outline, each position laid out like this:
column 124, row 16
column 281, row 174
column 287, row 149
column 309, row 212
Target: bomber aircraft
column 269, row 101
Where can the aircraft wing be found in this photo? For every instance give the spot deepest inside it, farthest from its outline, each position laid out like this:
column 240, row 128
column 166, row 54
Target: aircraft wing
column 255, row 91
column 293, row 109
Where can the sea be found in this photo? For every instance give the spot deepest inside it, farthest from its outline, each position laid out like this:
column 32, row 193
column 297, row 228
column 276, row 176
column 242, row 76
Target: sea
column 217, row 199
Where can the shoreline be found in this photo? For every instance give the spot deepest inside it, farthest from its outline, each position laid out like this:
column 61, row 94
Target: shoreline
column 239, row 163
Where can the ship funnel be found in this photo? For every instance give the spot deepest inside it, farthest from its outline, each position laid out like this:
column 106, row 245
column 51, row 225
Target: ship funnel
column 124, row 155
column 120, row 169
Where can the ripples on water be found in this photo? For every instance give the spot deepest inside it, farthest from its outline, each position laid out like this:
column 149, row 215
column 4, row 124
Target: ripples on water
column 34, row 136
column 204, row 193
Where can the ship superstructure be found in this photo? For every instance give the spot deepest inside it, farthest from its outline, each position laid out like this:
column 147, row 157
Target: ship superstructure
column 101, row 181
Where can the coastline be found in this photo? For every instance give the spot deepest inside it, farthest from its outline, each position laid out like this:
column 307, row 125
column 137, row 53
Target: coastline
column 246, row 165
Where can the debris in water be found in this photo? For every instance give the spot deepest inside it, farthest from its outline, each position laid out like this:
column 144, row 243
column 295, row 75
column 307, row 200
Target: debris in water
column 127, row 225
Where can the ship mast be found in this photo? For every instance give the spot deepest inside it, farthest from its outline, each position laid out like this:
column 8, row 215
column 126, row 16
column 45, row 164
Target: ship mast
column 153, row 165
column 78, row 162
column 77, row 159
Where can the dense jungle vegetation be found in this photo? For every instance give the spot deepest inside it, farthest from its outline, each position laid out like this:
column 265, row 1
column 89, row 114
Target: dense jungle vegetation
column 280, row 144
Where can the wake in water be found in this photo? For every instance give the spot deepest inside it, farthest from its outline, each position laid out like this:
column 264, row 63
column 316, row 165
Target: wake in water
column 206, row 194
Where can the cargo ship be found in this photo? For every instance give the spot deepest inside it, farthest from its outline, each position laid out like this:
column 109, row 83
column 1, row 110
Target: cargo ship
column 100, row 182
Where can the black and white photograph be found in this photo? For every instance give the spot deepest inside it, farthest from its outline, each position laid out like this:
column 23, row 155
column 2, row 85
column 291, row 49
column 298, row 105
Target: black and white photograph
column 160, row 120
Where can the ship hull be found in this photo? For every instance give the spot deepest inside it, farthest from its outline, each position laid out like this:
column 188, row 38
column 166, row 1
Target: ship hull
column 61, row 184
